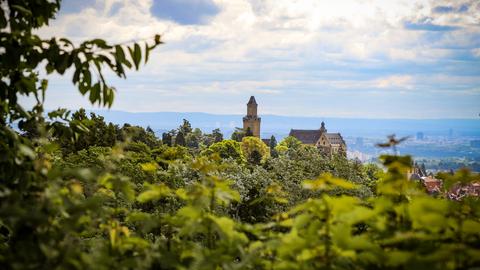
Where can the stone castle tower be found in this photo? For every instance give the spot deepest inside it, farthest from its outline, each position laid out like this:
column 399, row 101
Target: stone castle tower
column 251, row 120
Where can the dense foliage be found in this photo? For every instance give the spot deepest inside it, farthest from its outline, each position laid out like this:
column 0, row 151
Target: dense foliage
column 78, row 193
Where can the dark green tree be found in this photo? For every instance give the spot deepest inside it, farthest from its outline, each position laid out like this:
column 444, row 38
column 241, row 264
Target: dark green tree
column 150, row 130
column 180, row 139
column 255, row 157
column 193, row 138
column 238, row 134
column 217, row 135
column 185, row 127
column 272, row 145
column 167, row 138
column 139, row 134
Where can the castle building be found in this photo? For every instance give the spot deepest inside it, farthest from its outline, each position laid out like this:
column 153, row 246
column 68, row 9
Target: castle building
column 251, row 122
column 329, row 143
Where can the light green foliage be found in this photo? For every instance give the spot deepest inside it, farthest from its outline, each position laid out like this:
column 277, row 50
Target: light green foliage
column 288, row 143
column 131, row 205
column 194, row 138
column 139, row 135
column 180, row 139
column 185, row 127
column 227, row 149
column 255, row 150
column 238, row 134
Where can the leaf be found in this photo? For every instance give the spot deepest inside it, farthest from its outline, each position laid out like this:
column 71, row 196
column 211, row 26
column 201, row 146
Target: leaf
column 428, row 213
column 396, row 258
column 120, row 59
column 76, row 76
column 189, row 212
column 326, row 182
column 3, row 20
column 104, row 95
column 226, row 228
column 341, row 183
column 157, row 40
column 471, row 227
column 149, row 166
column 154, row 192
column 119, row 54
column 111, row 96
column 100, row 43
column 136, row 55
column 181, row 193
column 147, row 53
column 95, row 92
column 138, row 216
column 26, row 151
column 62, row 63
column 21, row 9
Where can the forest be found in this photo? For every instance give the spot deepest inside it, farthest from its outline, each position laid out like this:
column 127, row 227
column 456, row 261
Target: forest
column 77, row 192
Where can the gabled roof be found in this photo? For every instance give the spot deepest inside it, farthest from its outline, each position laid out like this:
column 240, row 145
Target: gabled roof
column 334, row 138
column 415, row 177
column 312, row 136
column 252, row 101
column 306, row 136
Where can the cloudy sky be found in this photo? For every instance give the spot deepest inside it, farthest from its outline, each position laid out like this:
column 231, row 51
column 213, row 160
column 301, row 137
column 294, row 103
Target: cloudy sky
column 342, row 58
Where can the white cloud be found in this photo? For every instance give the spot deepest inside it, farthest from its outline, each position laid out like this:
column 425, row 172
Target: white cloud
column 277, row 47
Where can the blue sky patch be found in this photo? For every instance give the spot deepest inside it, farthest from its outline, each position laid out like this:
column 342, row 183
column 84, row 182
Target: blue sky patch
column 443, row 9
column 450, row 9
column 75, row 6
column 426, row 25
column 185, row 12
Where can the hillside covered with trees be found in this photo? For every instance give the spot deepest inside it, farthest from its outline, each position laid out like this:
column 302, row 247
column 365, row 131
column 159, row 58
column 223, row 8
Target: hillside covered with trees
column 79, row 193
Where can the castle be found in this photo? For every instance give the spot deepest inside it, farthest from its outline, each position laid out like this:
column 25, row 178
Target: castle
column 329, row 143
column 251, row 121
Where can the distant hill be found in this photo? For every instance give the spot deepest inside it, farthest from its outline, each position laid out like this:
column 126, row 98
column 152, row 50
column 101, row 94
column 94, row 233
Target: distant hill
column 281, row 125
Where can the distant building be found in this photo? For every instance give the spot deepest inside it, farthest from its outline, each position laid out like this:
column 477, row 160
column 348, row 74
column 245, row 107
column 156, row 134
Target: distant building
column 459, row 191
column 475, row 144
column 435, row 186
column 432, row 184
column 329, row 143
column 417, row 172
column 420, row 136
column 251, row 122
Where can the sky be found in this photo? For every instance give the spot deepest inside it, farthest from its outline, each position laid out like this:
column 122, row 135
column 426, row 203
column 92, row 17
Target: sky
column 342, row 58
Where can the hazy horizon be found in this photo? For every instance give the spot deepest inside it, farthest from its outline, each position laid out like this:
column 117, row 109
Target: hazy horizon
column 271, row 114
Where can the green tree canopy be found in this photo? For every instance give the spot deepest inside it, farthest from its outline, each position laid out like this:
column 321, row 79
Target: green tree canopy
column 185, row 127
column 226, row 149
column 238, row 134
column 255, row 150
column 180, row 139
column 272, row 145
column 217, row 135
column 288, row 143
